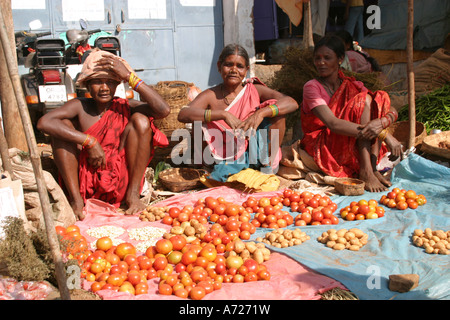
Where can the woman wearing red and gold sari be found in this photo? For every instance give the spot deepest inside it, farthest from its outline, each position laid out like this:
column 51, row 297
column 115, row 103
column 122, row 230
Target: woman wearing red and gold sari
column 344, row 124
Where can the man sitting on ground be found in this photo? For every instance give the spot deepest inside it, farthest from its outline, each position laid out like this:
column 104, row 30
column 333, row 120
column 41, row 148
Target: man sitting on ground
column 102, row 145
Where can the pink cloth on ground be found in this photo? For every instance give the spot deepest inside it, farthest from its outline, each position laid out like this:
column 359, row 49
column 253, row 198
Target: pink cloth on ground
column 289, row 280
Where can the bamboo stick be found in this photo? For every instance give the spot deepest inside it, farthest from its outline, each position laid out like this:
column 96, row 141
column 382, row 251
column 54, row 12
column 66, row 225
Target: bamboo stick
column 6, row 161
column 36, row 162
column 410, row 70
column 308, row 41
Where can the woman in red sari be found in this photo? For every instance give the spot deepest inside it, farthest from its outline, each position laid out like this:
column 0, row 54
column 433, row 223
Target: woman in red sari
column 344, row 124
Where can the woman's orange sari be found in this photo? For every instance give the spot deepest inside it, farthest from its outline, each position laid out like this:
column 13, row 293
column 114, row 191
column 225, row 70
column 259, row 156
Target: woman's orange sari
column 337, row 155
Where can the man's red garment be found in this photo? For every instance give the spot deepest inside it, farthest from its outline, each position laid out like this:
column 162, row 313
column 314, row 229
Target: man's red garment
column 110, row 184
column 337, row 155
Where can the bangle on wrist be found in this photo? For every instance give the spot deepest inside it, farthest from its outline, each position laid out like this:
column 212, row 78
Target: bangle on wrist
column 207, row 115
column 275, row 110
column 383, row 134
column 91, row 144
column 86, row 141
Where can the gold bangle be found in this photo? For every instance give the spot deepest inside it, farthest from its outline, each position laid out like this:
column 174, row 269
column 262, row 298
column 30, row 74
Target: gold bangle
column 85, row 142
column 383, row 134
column 208, row 115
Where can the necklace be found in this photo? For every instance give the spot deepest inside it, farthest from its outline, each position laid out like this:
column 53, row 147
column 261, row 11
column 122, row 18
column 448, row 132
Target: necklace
column 102, row 113
column 224, row 96
column 328, row 88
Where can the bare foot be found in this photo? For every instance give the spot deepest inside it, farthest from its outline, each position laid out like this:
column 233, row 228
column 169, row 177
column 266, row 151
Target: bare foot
column 372, row 183
column 77, row 207
column 382, row 179
column 134, row 206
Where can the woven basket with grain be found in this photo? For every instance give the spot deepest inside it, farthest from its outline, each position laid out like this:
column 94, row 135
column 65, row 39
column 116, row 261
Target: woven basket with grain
column 349, row 186
column 175, row 93
column 400, row 130
column 437, row 144
column 180, row 179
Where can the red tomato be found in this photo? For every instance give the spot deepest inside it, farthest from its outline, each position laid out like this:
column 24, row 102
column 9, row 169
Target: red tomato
column 220, row 209
column 160, row 263
column 334, row 219
column 232, row 210
column 313, row 202
column 174, row 212
column 188, row 257
column 327, row 213
column 165, row 289
column 402, row 205
column 306, row 216
column 123, row 249
column 364, row 209
column 211, row 203
column 197, row 293
column 287, row 193
column 163, row 246
column 317, row 216
column 350, row 216
column 263, row 202
column 178, row 242
column 295, row 197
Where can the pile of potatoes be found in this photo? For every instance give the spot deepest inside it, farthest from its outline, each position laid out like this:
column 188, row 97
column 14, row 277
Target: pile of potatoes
column 190, row 229
column 283, row 238
column 249, row 249
column 152, row 213
column 353, row 239
column 436, row 241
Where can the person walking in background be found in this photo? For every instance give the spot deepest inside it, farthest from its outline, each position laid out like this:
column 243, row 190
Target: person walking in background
column 354, row 18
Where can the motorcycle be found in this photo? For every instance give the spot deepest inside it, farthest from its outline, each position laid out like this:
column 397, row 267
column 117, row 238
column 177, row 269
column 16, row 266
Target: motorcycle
column 47, row 85
column 80, row 49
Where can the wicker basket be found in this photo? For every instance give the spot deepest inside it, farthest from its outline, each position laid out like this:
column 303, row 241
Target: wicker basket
column 180, row 179
column 437, row 144
column 349, row 186
column 175, row 93
column 400, row 131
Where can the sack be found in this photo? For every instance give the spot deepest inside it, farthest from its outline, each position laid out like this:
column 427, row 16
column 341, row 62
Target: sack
column 62, row 211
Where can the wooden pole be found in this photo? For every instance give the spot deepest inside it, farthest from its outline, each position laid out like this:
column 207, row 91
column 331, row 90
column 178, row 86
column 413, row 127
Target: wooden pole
column 12, row 126
column 410, row 70
column 308, row 41
column 36, row 163
column 6, row 161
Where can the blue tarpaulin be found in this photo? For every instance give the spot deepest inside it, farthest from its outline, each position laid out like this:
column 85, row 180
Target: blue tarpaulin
column 390, row 249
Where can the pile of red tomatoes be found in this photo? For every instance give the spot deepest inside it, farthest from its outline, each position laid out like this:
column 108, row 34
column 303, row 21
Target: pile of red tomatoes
column 314, row 209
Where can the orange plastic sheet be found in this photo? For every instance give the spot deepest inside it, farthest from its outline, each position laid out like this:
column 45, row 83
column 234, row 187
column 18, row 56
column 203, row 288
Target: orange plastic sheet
column 289, row 280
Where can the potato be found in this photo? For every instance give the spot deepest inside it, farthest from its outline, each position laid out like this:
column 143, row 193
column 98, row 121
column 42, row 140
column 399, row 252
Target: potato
column 250, row 246
column 341, row 232
column 333, row 237
column 189, row 231
column 354, row 247
column 330, row 244
column 339, row 246
column 349, row 235
column 239, row 245
column 357, row 232
column 341, row 240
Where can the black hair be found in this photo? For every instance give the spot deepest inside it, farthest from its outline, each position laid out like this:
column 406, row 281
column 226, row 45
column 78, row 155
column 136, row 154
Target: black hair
column 348, row 40
column 232, row 49
column 332, row 42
